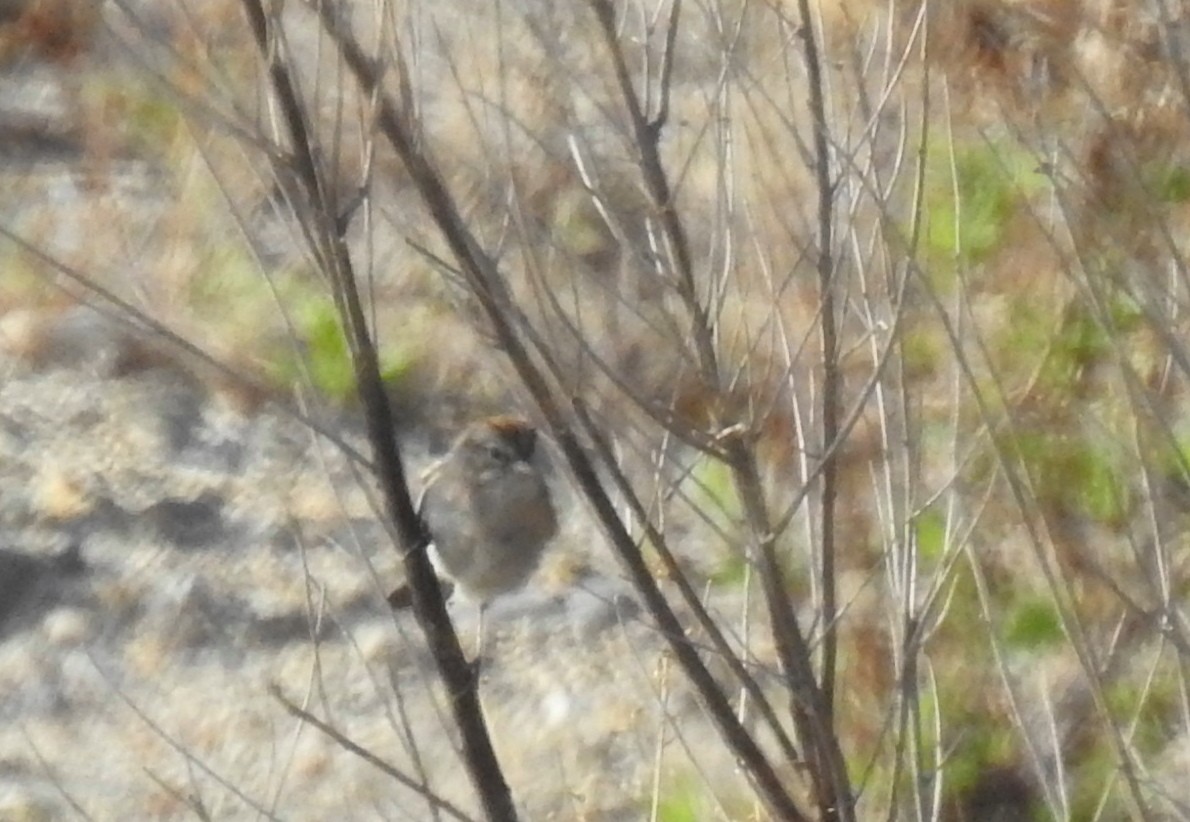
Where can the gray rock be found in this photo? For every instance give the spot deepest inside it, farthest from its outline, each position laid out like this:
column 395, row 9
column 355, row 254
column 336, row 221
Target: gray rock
column 31, row 584
column 187, row 523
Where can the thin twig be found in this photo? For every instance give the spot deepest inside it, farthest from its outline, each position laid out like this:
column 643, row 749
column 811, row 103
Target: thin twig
column 372, row 759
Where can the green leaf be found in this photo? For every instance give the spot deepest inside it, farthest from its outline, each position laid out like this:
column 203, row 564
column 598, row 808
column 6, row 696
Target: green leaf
column 1034, row 625
column 1174, row 185
column 680, row 804
column 929, row 529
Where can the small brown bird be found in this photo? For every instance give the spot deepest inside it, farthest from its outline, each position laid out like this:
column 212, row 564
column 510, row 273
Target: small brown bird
column 488, row 510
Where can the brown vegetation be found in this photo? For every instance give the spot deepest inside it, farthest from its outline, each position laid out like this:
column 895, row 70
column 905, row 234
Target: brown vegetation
column 57, row 30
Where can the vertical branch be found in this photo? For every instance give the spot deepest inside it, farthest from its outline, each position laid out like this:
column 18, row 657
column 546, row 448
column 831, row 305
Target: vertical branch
column 830, row 355
column 326, row 233
column 812, row 713
column 647, row 139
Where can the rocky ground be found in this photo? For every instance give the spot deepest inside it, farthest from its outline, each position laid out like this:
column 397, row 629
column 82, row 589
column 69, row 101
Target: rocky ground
column 165, row 559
